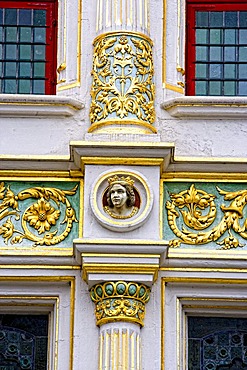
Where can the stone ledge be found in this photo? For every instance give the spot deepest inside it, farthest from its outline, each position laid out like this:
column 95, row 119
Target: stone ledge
column 17, row 105
column 206, row 107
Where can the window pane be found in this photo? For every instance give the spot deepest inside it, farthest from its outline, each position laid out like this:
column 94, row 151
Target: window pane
column 10, row 69
column 230, row 71
column 215, row 53
column 230, row 88
column 11, row 52
column 243, row 54
column 242, row 71
column 38, row 87
column 1, row 51
column 10, row 16
column 25, row 16
column 230, row 54
column 230, row 37
column 216, row 19
column 243, row 36
column 201, row 70
column 39, row 35
column 39, row 52
column 11, row 34
column 231, row 19
column 39, row 18
column 1, row 16
column 25, row 69
column 214, row 88
column 201, row 53
column 201, row 36
column 243, row 88
column 243, row 19
column 201, row 88
column 24, row 87
column 215, row 71
column 201, row 19
column 25, row 51
column 39, row 70
column 25, row 34
column 215, row 36
column 10, row 86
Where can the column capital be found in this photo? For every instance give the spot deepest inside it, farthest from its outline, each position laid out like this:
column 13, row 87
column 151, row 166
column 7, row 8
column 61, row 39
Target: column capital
column 114, row 260
column 120, row 301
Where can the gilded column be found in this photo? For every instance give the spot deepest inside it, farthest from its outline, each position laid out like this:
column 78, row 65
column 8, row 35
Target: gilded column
column 120, row 311
column 122, row 90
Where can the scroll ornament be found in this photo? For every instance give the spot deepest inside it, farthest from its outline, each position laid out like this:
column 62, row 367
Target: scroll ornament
column 41, row 215
column 198, row 211
column 122, row 79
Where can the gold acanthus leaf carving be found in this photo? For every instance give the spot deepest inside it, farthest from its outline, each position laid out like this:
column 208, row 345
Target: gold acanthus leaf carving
column 40, row 215
column 194, row 201
column 122, row 79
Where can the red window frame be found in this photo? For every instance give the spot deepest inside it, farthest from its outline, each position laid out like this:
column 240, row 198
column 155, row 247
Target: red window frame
column 190, row 55
column 51, row 6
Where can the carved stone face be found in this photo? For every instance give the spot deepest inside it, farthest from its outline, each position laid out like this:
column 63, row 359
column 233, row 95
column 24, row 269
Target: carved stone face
column 118, row 195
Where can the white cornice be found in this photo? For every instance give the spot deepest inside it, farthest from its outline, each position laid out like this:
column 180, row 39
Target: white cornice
column 17, row 105
column 206, row 107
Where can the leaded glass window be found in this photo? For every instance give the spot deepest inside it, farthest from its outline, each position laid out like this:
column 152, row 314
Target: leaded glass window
column 23, row 342
column 217, row 343
column 217, row 48
column 27, row 47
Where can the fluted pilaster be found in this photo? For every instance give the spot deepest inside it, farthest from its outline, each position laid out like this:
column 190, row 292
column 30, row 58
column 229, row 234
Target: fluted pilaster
column 120, row 347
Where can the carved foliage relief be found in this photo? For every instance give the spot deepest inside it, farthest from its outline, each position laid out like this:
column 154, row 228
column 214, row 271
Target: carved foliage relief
column 38, row 214
column 122, row 79
column 210, row 215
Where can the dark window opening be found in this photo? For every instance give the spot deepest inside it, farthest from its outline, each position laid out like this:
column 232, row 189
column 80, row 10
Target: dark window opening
column 28, row 35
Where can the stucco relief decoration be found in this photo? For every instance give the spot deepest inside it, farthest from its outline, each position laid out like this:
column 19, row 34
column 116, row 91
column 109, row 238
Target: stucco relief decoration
column 42, row 215
column 122, row 79
column 198, row 217
column 120, row 301
column 121, row 201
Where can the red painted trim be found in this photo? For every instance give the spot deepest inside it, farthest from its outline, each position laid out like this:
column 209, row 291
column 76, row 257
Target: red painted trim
column 202, row 5
column 51, row 6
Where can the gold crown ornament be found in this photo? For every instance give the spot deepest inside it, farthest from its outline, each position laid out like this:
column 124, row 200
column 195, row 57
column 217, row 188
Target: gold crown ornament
column 121, row 180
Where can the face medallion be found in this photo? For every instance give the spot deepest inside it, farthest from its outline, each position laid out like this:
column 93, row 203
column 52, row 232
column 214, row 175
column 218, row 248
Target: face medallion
column 118, row 195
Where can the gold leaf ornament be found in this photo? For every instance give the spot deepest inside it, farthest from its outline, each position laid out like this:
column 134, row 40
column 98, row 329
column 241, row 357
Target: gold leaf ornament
column 194, row 201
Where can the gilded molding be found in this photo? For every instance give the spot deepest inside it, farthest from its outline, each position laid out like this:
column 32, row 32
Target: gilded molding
column 120, row 301
column 123, row 87
column 193, row 216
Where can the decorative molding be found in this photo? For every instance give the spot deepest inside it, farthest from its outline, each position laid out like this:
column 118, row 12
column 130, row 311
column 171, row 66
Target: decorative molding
column 196, row 218
column 116, row 259
column 120, row 301
column 207, row 107
column 123, row 88
column 14, row 105
column 35, row 214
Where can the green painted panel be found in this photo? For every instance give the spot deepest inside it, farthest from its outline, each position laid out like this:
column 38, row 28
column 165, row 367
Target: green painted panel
column 205, row 215
column 39, row 214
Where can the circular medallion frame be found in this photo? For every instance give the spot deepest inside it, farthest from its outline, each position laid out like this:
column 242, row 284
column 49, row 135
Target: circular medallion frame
column 142, row 206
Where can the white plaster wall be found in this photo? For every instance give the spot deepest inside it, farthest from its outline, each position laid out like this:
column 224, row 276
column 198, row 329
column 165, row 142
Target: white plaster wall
column 45, row 136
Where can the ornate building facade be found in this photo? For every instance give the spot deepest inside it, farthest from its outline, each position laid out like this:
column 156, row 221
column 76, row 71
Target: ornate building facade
column 123, row 185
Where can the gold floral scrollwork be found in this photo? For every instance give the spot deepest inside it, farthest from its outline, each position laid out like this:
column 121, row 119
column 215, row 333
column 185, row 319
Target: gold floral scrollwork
column 41, row 215
column 122, row 79
column 197, row 209
column 120, row 301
